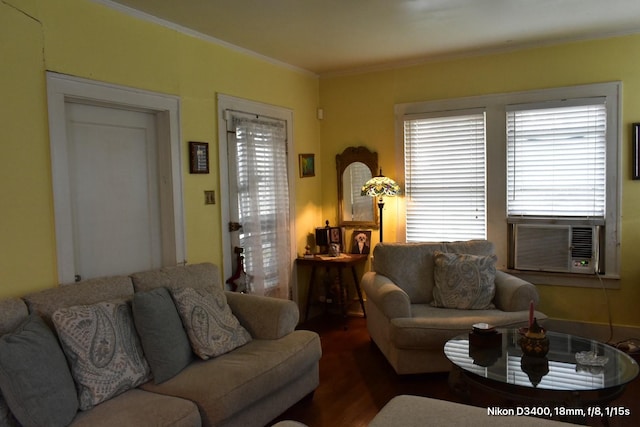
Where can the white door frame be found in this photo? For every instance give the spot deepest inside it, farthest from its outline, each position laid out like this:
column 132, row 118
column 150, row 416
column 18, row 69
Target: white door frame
column 63, row 88
column 226, row 102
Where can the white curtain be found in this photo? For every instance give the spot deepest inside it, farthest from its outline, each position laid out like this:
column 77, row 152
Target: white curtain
column 263, row 202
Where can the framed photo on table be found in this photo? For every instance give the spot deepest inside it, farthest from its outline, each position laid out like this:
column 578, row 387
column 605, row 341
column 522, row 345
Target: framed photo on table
column 325, row 236
column 361, row 241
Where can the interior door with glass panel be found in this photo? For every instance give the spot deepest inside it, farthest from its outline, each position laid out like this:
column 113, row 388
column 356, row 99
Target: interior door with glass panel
column 259, row 200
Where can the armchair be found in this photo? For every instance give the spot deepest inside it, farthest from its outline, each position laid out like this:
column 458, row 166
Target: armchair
column 402, row 319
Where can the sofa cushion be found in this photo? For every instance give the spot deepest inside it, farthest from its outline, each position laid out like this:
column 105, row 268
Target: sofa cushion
column 102, row 347
column 164, row 340
column 193, row 276
column 211, row 327
column 13, row 311
column 464, row 281
column 141, row 408
column 243, row 377
column 34, row 376
column 86, row 292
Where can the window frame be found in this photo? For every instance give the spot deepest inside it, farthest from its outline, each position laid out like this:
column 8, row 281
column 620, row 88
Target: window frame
column 495, row 106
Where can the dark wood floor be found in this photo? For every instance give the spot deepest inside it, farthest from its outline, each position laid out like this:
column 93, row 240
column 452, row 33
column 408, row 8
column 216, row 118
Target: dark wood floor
column 356, row 381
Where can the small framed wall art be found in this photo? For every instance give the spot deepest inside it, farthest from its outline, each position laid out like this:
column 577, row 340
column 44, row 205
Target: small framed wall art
column 198, row 157
column 636, row 152
column 307, row 165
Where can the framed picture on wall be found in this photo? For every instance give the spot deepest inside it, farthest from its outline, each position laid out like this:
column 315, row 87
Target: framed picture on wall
column 198, row 157
column 361, row 241
column 307, row 165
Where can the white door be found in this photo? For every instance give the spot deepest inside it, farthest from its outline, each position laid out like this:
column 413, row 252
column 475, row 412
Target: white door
column 113, row 170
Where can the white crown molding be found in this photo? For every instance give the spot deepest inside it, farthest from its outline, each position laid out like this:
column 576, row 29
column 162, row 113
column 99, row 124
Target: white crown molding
column 188, row 31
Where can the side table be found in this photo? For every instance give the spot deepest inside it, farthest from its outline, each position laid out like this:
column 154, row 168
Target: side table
column 338, row 263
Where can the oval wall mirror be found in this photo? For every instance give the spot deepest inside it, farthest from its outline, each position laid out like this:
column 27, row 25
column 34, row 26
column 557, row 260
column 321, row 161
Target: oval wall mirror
column 355, row 166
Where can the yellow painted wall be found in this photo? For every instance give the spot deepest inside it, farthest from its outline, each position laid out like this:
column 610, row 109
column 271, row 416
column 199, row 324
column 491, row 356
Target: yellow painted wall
column 359, row 110
column 85, row 39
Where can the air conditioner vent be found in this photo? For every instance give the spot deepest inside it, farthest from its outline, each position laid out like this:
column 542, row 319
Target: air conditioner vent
column 582, row 242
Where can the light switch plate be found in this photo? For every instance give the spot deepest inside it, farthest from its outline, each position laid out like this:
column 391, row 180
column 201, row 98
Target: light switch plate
column 209, row 197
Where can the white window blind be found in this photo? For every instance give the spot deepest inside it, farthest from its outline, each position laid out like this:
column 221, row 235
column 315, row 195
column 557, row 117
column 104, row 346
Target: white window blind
column 445, row 177
column 556, row 159
column 263, row 199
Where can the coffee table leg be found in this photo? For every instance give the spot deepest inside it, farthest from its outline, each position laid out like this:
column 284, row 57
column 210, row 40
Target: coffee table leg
column 458, row 383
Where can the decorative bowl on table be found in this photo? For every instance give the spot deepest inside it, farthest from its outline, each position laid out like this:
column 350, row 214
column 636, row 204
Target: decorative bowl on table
column 534, row 342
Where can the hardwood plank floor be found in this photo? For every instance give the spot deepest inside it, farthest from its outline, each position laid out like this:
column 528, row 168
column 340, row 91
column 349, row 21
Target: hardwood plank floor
column 356, row 381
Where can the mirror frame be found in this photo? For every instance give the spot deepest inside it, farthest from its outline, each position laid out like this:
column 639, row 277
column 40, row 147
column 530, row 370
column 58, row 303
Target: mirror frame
column 343, row 160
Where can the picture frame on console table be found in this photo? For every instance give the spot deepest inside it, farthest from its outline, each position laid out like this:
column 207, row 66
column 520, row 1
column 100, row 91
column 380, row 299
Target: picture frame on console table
column 361, row 241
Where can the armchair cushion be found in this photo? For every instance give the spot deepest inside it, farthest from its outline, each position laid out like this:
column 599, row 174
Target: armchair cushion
column 464, row 281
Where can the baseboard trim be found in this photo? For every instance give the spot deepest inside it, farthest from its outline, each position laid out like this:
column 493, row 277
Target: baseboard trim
column 595, row 331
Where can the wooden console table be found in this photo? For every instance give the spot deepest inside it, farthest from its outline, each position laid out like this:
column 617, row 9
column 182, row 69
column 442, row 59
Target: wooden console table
column 338, row 263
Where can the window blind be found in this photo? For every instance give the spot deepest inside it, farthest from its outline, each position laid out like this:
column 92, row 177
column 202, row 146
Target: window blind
column 445, row 177
column 263, row 198
column 556, row 160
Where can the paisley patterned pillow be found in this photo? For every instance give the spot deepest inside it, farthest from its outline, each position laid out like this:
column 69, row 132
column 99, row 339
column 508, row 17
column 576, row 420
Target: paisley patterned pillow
column 102, row 346
column 211, row 326
column 465, row 282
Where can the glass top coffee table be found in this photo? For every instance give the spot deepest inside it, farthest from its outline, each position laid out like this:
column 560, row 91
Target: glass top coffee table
column 557, row 379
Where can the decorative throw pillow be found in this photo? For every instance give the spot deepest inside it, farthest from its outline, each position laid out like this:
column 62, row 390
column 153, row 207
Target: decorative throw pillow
column 102, row 347
column 464, row 281
column 211, row 326
column 164, row 340
column 34, row 376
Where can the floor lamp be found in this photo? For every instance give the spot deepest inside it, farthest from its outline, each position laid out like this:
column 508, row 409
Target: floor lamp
column 380, row 186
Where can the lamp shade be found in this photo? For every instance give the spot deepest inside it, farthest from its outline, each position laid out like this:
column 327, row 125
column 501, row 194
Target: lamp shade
column 379, row 186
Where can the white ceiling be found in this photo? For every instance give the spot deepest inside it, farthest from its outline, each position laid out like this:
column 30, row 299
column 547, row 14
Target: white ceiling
column 332, row 36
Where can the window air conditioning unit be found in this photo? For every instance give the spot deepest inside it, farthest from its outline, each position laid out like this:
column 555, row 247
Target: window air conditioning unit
column 556, row 248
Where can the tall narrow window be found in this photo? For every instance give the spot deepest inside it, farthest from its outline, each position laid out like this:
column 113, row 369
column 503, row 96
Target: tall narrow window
column 262, row 190
column 445, row 177
column 556, row 159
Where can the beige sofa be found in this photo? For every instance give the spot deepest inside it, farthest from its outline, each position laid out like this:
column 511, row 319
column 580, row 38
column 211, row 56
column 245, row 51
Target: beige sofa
column 248, row 386
column 401, row 320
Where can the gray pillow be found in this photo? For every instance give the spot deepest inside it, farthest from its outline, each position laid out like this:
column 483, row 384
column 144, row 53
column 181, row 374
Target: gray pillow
column 163, row 338
column 34, row 376
column 211, row 326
